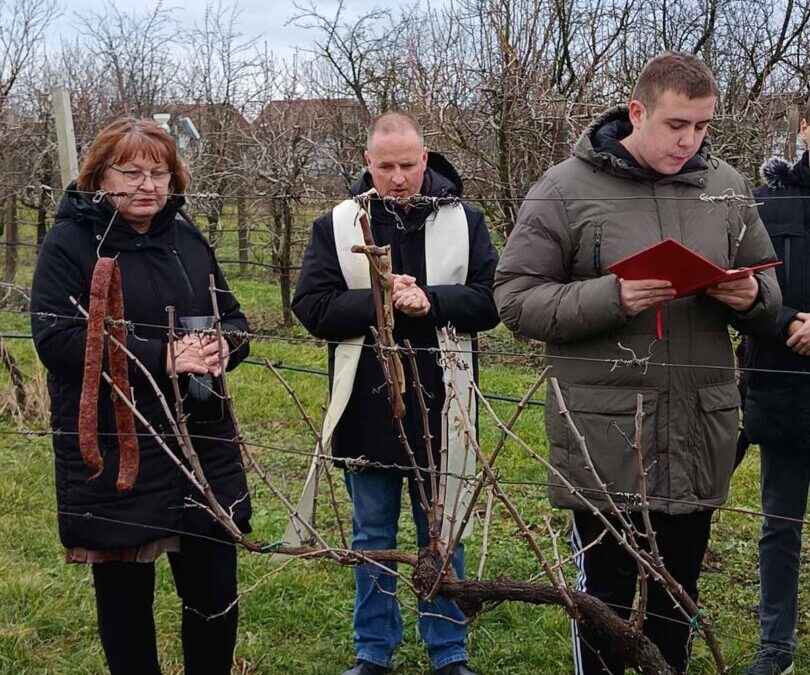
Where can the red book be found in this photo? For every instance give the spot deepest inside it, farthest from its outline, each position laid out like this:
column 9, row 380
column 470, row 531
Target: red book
column 671, row 261
column 688, row 271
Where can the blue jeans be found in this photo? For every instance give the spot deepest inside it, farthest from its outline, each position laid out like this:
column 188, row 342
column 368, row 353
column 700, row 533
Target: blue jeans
column 377, row 497
column 784, row 481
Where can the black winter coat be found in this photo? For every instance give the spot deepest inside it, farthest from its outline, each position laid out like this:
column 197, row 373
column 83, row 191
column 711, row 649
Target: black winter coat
column 777, row 406
column 169, row 265
column 329, row 310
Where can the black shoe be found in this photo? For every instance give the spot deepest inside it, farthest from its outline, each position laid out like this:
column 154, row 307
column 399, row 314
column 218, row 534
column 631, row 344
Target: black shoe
column 457, row 668
column 771, row 662
column 366, row 668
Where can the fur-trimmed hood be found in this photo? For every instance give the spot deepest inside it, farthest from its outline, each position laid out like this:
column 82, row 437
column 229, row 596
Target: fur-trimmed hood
column 779, row 174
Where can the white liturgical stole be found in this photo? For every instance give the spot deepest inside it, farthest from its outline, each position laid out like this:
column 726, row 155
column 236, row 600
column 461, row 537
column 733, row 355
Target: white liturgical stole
column 447, row 252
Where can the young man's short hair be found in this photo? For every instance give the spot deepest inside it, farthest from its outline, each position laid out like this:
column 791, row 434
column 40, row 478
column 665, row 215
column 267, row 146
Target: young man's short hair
column 681, row 72
column 806, row 113
column 394, row 122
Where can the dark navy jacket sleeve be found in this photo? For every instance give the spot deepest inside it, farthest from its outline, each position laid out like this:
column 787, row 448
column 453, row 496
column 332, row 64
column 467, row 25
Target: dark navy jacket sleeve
column 786, row 316
column 469, row 307
column 777, row 212
column 777, row 332
column 322, row 302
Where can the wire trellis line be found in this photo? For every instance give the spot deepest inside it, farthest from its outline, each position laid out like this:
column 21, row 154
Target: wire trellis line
column 628, row 499
column 614, row 362
column 258, row 264
column 744, row 199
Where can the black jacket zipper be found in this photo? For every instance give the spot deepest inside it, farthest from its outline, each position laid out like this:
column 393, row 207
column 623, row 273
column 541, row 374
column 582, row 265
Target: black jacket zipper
column 597, row 250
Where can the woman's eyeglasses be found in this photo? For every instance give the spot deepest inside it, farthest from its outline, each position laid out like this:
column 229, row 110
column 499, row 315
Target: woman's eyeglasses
column 136, row 178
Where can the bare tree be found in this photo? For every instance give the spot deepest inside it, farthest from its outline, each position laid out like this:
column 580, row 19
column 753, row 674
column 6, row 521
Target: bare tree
column 134, row 55
column 22, row 29
column 359, row 51
column 284, row 146
column 219, row 86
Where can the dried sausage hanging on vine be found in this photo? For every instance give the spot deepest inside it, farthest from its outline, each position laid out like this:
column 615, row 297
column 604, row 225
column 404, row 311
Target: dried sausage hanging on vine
column 106, row 299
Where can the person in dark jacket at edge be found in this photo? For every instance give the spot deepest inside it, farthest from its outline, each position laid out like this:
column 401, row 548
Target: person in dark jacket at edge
column 777, row 409
column 443, row 266
column 637, row 177
column 164, row 260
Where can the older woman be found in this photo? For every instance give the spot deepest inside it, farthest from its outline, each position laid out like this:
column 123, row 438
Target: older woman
column 126, row 205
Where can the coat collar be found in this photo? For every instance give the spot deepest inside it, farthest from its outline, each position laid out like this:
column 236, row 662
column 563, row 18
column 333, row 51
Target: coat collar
column 598, row 146
column 81, row 208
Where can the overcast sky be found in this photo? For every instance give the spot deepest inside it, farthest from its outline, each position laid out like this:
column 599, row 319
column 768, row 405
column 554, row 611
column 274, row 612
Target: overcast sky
column 265, row 18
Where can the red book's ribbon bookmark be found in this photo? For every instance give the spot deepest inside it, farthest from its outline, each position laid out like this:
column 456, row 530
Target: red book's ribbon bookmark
column 659, row 322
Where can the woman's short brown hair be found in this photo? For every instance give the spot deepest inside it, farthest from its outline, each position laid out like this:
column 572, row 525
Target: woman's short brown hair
column 123, row 140
column 681, row 72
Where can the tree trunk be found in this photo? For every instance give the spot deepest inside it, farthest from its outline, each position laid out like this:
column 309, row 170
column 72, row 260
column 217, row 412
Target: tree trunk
column 42, row 218
column 214, row 211
column 213, row 224
column 10, row 274
column 277, row 231
column 793, row 118
column 285, row 260
column 242, row 227
column 559, row 134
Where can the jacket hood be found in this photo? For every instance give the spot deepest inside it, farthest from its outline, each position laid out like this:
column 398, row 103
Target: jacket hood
column 441, row 179
column 779, row 174
column 599, row 145
column 83, row 209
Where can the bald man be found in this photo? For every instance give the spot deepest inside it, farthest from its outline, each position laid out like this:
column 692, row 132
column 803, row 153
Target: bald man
column 443, row 266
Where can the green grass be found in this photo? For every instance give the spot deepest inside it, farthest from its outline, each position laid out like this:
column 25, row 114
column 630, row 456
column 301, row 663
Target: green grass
column 298, row 620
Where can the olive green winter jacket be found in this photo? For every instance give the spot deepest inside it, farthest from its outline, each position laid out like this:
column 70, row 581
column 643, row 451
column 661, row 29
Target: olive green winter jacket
column 552, row 285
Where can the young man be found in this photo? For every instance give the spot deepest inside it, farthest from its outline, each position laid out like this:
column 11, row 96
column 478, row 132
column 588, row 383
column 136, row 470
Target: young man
column 777, row 410
column 636, row 178
column 443, row 265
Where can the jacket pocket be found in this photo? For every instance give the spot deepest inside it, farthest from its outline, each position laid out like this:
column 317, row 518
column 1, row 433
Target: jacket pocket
column 605, row 417
column 719, row 422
